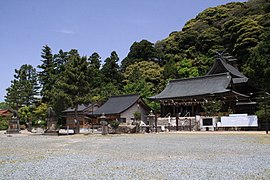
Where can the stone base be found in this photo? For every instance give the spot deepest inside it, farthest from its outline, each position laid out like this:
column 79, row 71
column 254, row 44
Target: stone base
column 12, row 131
column 51, row 133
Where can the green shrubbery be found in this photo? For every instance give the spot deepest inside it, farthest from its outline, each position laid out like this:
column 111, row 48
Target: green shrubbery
column 3, row 123
column 114, row 125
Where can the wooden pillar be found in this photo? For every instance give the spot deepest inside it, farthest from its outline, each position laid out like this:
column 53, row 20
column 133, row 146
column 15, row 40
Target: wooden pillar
column 162, row 110
column 192, row 111
column 173, row 110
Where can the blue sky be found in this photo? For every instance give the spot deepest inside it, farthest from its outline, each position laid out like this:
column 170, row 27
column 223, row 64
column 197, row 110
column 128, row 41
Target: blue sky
column 89, row 26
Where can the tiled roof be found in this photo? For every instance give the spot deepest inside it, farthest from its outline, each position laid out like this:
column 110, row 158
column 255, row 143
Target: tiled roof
column 81, row 107
column 189, row 87
column 117, row 104
column 5, row 112
column 221, row 66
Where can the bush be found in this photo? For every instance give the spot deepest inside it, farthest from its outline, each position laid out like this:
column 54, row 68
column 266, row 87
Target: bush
column 115, row 124
column 42, row 123
column 39, row 123
column 3, row 124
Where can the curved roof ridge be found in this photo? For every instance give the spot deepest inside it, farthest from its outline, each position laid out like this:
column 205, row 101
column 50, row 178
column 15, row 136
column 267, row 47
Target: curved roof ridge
column 201, row 77
column 124, row 95
column 232, row 69
column 221, row 65
column 211, row 84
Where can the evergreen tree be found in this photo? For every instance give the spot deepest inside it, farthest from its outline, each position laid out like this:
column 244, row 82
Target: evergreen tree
column 12, row 97
column 47, row 75
column 73, row 84
column 170, row 70
column 96, row 77
column 111, row 70
column 258, row 65
column 140, row 51
column 95, row 72
column 95, row 61
column 24, row 89
column 60, row 60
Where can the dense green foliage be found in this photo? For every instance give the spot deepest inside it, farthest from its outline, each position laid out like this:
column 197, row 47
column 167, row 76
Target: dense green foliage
column 73, row 83
column 242, row 29
column 212, row 107
column 68, row 79
column 48, row 74
column 3, row 105
column 264, row 106
column 3, row 123
column 24, row 88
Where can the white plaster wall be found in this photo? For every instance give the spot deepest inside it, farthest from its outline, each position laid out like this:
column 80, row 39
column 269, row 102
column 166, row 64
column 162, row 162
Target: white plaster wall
column 128, row 114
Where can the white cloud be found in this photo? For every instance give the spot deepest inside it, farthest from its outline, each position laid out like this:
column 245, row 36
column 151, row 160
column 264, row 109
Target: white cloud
column 66, row 31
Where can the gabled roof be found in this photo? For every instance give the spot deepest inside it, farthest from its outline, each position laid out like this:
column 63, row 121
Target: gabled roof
column 81, row 108
column 198, row 86
column 221, row 66
column 117, row 104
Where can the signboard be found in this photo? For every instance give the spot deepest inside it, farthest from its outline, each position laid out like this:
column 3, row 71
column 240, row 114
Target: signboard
column 239, row 121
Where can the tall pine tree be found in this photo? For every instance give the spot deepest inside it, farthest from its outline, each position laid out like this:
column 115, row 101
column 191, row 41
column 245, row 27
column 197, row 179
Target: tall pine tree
column 111, row 70
column 73, row 84
column 112, row 77
column 24, row 90
column 47, row 74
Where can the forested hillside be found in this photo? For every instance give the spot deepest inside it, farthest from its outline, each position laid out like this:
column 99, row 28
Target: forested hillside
column 241, row 29
column 68, row 79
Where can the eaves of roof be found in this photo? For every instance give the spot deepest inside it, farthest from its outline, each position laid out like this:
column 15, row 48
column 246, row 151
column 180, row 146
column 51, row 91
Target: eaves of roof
column 198, row 86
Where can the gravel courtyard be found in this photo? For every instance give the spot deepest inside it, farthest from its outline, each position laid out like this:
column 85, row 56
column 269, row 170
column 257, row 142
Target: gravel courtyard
column 189, row 155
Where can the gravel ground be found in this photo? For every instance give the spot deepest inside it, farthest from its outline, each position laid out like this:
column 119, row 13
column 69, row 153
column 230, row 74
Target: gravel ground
column 187, row 155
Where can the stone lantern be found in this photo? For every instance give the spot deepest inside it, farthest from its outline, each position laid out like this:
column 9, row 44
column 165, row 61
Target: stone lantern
column 13, row 124
column 104, row 124
column 151, row 119
column 51, row 122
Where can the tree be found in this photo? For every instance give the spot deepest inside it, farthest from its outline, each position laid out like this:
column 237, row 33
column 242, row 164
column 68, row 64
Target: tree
column 12, row 97
column 186, row 69
column 24, row 88
column 159, row 50
column 47, row 73
column 212, row 107
column 258, row 65
column 73, row 85
column 111, row 79
column 60, row 60
column 4, row 123
column 144, row 78
column 26, row 115
column 111, row 70
column 170, row 70
column 139, row 51
column 95, row 74
column 94, row 61
column 150, row 71
column 40, row 112
column 3, row 105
